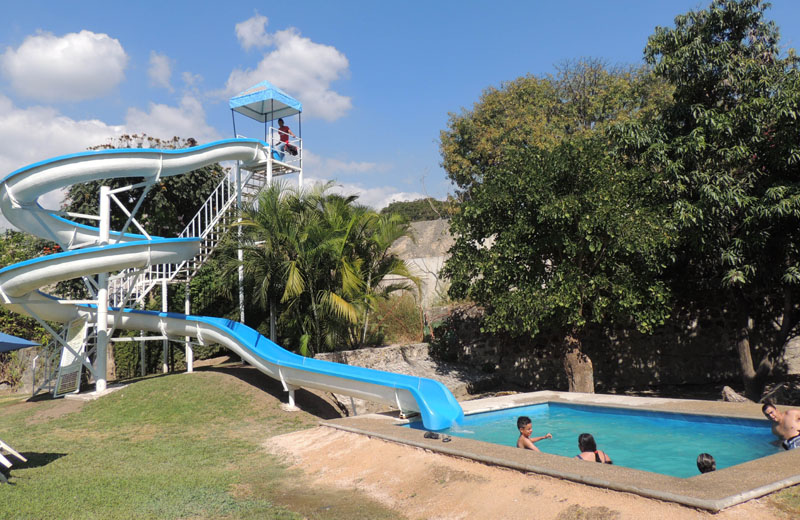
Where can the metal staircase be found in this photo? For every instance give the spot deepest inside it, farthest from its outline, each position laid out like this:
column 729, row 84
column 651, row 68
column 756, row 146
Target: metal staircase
column 219, row 212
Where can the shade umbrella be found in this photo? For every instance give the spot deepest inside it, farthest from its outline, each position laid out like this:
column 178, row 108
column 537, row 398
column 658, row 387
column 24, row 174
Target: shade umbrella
column 265, row 103
column 9, row 343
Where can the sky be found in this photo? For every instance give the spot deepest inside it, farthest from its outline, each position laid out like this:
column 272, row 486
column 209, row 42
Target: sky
column 378, row 80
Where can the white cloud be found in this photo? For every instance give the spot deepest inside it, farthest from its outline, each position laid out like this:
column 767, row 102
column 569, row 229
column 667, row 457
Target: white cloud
column 253, row 33
column 46, row 134
column 304, row 69
column 160, row 70
column 72, row 67
column 191, row 79
column 314, row 164
column 38, row 133
column 377, row 198
column 186, row 120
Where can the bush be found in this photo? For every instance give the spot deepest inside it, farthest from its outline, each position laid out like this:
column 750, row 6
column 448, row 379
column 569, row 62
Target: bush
column 397, row 320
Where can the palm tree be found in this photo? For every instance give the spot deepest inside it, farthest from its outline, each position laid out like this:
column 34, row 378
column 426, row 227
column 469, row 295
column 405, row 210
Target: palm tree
column 323, row 258
column 379, row 263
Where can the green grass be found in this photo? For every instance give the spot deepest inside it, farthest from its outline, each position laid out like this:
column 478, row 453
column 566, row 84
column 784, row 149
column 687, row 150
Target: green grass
column 182, row 446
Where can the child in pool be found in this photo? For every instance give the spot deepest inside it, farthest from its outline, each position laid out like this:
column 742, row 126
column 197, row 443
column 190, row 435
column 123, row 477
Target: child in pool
column 525, row 429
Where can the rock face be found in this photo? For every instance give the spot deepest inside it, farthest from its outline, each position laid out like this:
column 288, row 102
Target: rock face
column 425, row 255
column 412, row 360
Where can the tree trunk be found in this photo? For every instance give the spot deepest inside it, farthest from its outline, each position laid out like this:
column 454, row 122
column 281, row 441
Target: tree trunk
column 273, row 330
column 111, row 364
column 754, row 380
column 578, row 367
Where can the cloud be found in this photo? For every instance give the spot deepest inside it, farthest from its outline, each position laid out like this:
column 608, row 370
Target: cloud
column 160, row 70
column 313, row 164
column 191, row 80
column 164, row 121
column 301, row 67
column 46, row 134
column 377, row 198
column 73, row 67
column 253, row 33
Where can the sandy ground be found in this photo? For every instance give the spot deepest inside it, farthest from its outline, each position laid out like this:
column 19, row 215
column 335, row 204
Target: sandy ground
column 422, row 484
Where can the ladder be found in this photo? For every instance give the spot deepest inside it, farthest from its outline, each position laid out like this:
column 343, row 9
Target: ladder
column 72, row 359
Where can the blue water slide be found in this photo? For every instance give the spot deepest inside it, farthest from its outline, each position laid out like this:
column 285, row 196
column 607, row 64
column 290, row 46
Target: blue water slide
column 20, row 283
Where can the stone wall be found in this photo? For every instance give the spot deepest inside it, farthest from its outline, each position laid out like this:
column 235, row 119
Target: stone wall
column 686, row 351
column 413, row 360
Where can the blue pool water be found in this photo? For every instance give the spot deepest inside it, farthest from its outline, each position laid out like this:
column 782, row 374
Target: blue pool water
column 666, row 443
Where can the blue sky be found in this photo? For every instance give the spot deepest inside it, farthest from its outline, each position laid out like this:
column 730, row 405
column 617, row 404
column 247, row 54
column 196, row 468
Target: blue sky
column 377, row 79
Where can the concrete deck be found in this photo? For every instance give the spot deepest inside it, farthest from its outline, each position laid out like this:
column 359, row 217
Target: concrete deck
column 711, row 491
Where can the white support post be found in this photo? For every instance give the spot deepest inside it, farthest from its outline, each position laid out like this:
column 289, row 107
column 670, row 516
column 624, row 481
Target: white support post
column 239, row 252
column 165, row 343
column 187, row 310
column 142, row 354
column 101, row 375
column 291, row 397
column 269, row 168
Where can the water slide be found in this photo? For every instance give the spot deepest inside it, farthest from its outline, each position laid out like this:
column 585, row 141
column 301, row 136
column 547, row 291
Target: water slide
column 20, row 283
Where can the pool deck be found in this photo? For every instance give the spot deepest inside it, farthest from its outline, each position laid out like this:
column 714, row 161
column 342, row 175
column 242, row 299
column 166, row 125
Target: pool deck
column 711, row 491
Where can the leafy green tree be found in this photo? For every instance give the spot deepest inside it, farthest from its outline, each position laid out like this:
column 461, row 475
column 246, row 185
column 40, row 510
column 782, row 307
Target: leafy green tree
column 727, row 149
column 380, row 232
column 554, row 230
column 420, row 209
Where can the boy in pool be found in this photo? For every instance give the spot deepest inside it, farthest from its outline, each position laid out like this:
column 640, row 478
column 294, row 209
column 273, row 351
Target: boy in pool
column 525, row 428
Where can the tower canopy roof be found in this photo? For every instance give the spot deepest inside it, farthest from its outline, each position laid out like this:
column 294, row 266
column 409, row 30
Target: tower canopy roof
column 265, row 102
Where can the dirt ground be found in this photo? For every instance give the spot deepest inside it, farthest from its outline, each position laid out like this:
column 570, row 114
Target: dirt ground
column 425, row 485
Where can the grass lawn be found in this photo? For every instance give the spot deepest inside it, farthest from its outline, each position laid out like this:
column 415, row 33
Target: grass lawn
column 177, row 446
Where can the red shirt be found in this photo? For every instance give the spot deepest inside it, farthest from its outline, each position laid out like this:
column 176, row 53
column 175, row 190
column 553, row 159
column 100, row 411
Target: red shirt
column 283, row 131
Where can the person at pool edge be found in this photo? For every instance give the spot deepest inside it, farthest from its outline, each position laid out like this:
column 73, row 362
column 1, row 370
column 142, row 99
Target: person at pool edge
column 785, row 425
column 589, row 450
column 525, row 429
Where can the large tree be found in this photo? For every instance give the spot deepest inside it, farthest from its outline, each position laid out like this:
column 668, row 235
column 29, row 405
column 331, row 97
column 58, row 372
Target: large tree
column 554, row 229
column 727, row 149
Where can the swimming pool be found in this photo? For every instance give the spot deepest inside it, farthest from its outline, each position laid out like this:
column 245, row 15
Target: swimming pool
column 660, row 442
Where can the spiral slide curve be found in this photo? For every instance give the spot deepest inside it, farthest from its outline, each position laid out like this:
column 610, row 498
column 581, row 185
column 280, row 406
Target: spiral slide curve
column 20, row 283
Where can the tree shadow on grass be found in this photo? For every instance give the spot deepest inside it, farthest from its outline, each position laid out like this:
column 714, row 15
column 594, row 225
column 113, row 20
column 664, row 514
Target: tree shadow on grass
column 306, row 400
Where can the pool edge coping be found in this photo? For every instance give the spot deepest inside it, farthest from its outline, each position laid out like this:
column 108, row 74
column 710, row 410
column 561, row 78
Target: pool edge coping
column 713, row 491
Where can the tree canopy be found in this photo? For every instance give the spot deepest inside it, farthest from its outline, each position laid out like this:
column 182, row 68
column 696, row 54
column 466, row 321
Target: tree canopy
column 727, row 149
column 420, row 209
column 553, row 228
column 597, row 194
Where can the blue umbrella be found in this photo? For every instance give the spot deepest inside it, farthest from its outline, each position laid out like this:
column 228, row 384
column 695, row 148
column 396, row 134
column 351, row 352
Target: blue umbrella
column 9, row 343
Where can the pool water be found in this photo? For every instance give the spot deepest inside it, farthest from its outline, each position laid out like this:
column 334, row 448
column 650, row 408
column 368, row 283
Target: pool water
column 661, row 442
